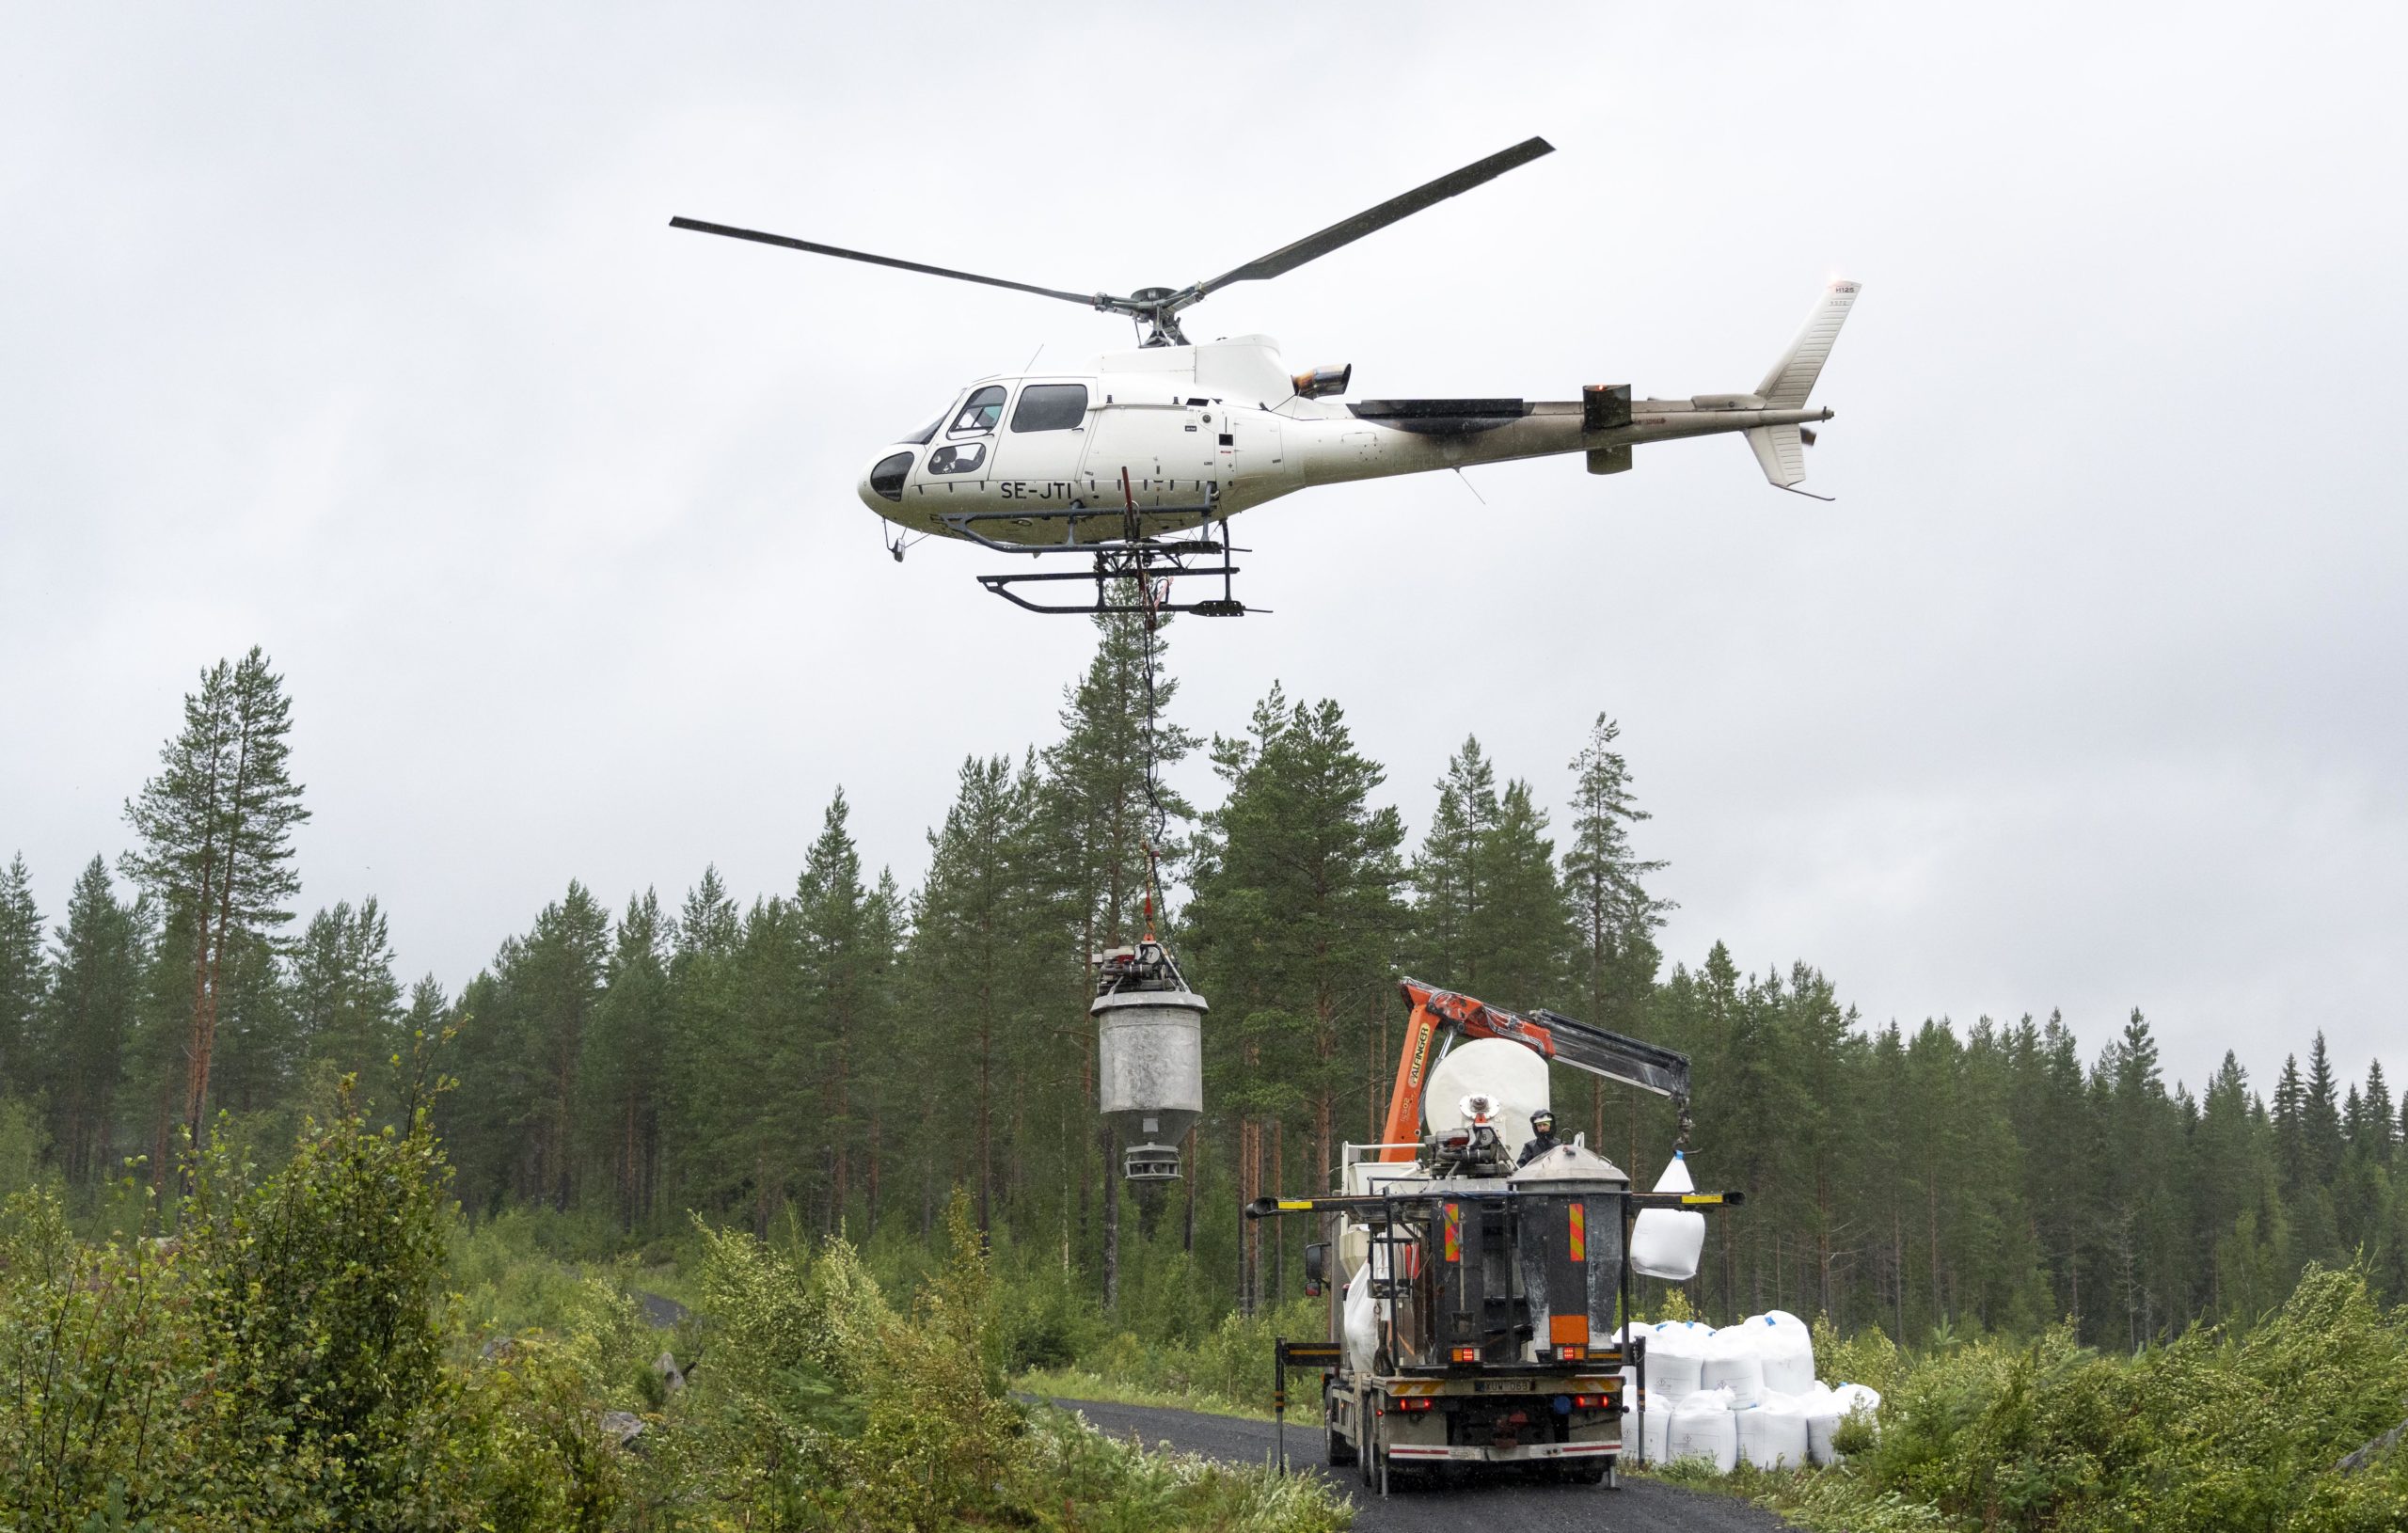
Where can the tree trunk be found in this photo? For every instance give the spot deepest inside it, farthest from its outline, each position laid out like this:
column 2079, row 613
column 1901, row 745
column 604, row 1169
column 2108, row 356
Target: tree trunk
column 1279, row 1226
column 986, row 1111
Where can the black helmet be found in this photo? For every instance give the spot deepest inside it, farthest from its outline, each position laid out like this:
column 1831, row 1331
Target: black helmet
column 1543, row 1119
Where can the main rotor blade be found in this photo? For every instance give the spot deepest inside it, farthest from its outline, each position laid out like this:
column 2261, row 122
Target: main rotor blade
column 755, row 234
column 1288, row 258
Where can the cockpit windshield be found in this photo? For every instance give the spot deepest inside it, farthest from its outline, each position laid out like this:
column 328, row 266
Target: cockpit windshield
column 980, row 412
column 921, row 438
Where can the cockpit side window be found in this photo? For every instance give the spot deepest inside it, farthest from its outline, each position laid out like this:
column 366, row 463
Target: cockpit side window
column 1051, row 408
column 960, row 458
column 922, row 436
column 981, row 412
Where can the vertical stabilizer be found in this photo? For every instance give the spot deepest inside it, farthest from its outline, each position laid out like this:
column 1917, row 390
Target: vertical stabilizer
column 1792, row 378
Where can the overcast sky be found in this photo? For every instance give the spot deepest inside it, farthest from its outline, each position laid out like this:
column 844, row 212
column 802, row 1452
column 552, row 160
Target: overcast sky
column 359, row 333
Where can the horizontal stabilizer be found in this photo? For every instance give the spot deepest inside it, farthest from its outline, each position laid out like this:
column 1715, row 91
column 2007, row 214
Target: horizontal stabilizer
column 1792, row 378
column 1780, row 452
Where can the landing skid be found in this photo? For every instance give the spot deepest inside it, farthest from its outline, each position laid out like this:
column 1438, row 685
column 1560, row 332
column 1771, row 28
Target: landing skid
column 1125, row 567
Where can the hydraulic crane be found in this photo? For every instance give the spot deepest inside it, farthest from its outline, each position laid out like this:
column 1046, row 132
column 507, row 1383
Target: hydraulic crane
column 1440, row 1017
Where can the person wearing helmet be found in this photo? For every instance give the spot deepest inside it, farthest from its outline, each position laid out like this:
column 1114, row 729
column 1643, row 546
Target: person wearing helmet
column 1541, row 1137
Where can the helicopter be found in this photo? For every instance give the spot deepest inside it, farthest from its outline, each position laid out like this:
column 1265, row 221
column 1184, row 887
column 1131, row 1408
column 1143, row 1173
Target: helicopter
column 1132, row 465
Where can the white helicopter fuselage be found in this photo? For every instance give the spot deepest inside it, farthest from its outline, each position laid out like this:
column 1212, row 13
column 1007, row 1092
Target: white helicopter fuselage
column 1195, row 433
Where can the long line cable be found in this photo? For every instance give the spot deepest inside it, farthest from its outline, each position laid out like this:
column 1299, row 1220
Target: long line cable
column 1159, row 824
column 1152, row 597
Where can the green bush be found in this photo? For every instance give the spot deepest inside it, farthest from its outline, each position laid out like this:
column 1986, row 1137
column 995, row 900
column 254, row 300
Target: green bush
column 106, row 1358
column 319, row 1292
column 2207, row 1431
column 292, row 1361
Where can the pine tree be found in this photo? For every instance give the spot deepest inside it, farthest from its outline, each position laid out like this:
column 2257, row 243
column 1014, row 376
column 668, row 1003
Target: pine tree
column 890, row 1087
column 1614, row 918
column 2228, row 1157
column 216, row 826
column 346, row 1002
column 2060, row 1184
column 620, row 1073
column 848, row 961
column 1825, row 1055
column 89, row 1014
column 974, row 984
column 529, row 1020
column 2290, row 1130
column 256, row 1057
column 1520, row 933
column 743, row 1024
column 21, row 978
column 2382, row 1125
column 1295, row 919
column 1491, row 917
column 1451, row 874
column 2321, row 1118
column 428, row 1027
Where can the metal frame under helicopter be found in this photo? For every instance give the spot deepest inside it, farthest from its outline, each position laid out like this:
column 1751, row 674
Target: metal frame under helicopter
column 1131, row 556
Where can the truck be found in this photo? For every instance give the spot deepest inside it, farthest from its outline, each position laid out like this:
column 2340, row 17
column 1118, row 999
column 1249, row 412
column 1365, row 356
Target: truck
column 1475, row 1300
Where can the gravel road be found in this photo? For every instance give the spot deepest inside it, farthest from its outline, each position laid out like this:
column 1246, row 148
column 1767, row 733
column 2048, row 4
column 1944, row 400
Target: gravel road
column 1493, row 1503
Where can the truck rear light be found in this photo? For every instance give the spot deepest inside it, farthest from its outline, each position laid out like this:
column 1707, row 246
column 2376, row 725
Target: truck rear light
column 1465, row 1355
column 1587, row 1402
column 1571, row 1353
column 1416, row 1403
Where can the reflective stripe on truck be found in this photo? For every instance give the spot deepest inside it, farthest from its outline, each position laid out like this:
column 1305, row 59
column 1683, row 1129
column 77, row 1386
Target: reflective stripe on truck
column 1502, row 1455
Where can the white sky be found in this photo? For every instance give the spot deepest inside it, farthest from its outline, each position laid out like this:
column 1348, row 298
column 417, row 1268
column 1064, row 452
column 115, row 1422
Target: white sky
column 360, row 333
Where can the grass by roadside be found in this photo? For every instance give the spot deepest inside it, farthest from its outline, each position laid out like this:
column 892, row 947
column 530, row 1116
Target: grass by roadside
column 1820, row 1500
column 1079, row 1384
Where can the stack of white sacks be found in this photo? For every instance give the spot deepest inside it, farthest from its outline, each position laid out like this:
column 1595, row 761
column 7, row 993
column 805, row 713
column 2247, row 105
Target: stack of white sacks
column 1744, row 1393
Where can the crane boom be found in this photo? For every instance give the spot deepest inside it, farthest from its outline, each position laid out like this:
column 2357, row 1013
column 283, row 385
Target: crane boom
column 1551, row 1035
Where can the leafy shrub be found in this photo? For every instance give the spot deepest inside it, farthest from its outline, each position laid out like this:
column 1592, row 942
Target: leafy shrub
column 292, row 1361
column 319, row 1291
column 2206, row 1431
column 1868, row 1357
column 105, row 1357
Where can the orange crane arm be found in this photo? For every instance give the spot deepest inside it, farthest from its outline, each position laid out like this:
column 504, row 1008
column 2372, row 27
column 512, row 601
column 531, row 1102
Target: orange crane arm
column 1552, row 1035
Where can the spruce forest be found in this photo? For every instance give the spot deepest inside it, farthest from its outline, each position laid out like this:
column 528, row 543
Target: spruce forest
column 843, row 1055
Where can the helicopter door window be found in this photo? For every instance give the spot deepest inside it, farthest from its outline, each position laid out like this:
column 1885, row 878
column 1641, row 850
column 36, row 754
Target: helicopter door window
column 1051, row 408
column 982, row 412
column 960, row 458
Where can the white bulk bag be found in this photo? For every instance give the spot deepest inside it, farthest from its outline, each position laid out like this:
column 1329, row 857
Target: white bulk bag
column 1788, row 1352
column 1782, row 1317
column 1666, row 1242
column 1362, row 1321
column 1733, row 1363
column 1850, row 1398
column 1701, row 1428
column 1822, row 1411
column 1772, row 1432
column 1675, row 1359
column 1657, row 1429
